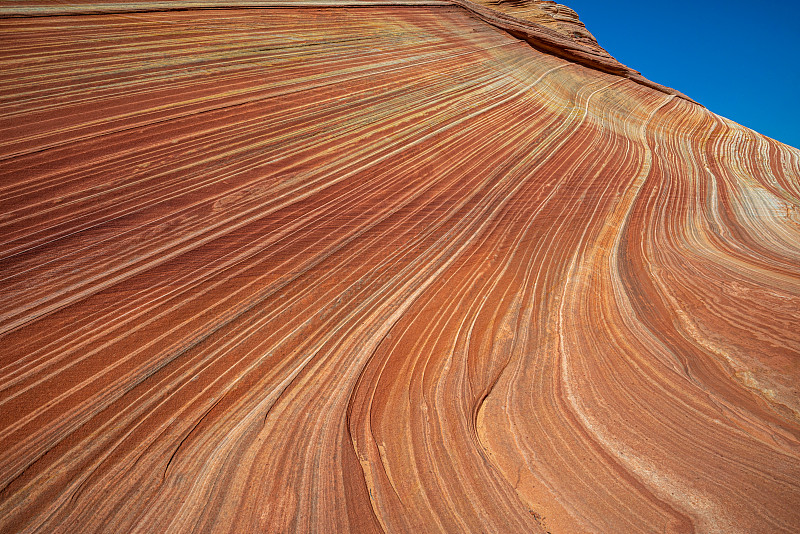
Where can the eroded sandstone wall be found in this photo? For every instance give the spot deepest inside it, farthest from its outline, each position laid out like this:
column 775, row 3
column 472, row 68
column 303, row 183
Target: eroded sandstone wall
column 390, row 268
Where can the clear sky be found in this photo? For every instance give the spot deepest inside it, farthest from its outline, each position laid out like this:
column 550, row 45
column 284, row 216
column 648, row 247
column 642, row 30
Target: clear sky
column 740, row 59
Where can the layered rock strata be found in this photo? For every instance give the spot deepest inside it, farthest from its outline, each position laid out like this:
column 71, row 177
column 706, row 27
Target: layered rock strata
column 382, row 269
column 546, row 26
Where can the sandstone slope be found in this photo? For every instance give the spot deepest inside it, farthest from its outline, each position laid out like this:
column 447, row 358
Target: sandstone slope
column 382, row 269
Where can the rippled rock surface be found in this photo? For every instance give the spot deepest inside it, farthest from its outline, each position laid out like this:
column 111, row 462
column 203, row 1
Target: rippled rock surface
column 390, row 268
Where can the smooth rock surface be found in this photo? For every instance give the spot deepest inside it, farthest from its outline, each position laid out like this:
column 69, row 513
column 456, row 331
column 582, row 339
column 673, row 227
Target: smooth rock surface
column 387, row 268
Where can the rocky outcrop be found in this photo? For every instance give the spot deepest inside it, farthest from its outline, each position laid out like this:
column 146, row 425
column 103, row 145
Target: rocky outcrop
column 382, row 269
column 547, row 13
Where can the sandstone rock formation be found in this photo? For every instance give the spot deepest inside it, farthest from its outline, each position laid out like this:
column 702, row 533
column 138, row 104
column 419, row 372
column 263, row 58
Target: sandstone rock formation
column 326, row 267
column 547, row 13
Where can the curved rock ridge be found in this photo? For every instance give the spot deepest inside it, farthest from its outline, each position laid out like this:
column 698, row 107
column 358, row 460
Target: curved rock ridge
column 556, row 16
column 546, row 26
column 383, row 270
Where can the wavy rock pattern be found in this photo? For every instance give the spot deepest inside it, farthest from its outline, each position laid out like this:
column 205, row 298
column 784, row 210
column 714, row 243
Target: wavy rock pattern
column 546, row 26
column 383, row 269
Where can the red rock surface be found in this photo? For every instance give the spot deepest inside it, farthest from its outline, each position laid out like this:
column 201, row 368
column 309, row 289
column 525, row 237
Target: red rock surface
column 387, row 268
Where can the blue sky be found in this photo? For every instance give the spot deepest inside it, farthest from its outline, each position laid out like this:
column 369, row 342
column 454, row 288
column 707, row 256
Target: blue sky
column 740, row 59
